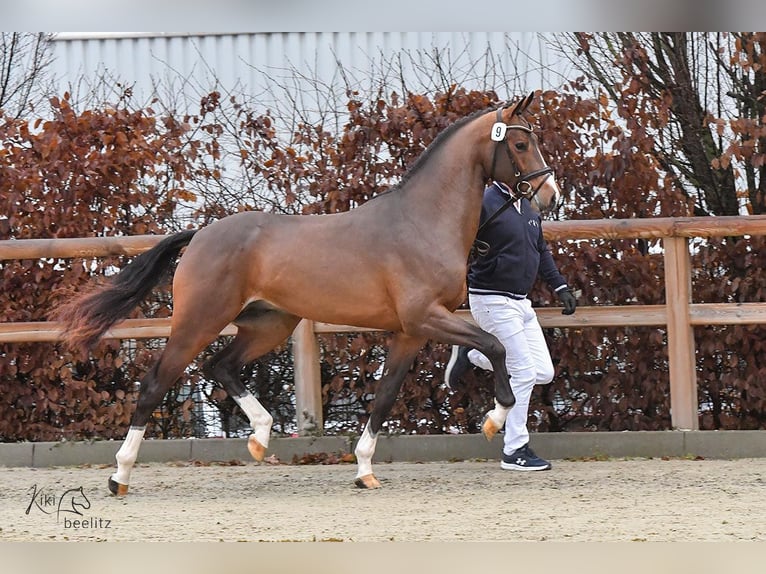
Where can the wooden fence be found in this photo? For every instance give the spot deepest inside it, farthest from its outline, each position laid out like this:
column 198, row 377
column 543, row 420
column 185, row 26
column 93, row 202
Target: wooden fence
column 679, row 315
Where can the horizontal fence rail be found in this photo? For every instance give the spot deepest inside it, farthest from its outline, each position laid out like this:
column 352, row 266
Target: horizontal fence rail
column 602, row 316
column 678, row 316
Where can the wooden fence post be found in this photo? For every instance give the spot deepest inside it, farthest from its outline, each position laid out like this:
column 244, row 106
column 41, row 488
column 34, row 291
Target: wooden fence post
column 308, row 381
column 682, row 364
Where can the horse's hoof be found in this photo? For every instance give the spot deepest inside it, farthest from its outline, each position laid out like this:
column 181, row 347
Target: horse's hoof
column 257, row 450
column 489, row 428
column 367, row 481
column 117, row 489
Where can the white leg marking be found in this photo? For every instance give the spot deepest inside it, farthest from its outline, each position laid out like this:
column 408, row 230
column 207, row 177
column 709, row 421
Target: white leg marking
column 364, row 450
column 127, row 455
column 498, row 414
column 259, row 417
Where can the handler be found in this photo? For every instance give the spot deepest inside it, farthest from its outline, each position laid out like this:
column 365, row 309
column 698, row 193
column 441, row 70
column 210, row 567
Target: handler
column 498, row 284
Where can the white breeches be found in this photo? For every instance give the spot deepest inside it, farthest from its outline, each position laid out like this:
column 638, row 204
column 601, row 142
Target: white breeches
column 514, row 323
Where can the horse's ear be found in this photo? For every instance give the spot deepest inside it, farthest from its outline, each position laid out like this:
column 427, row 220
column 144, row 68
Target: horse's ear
column 516, row 108
column 530, row 99
column 523, row 105
column 520, row 107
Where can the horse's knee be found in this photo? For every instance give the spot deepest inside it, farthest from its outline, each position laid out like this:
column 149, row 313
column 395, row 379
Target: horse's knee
column 494, row 349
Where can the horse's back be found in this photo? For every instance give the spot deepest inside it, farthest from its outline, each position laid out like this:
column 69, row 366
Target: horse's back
column 320, row 267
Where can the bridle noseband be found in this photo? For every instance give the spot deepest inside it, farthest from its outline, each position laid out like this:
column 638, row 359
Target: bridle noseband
column 523, row 187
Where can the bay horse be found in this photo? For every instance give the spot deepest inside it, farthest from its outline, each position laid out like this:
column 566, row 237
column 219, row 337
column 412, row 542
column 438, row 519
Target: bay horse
column 396, row 263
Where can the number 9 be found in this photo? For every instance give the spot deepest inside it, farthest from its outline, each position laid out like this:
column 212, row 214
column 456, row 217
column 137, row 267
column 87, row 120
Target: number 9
column 498, row 131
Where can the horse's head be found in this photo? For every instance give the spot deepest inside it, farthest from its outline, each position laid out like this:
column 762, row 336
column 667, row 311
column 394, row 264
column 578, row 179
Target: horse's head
column 517, row 161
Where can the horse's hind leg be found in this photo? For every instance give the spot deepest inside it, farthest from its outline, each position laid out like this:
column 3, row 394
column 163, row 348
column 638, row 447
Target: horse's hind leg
column 259, row 331
column 179, row 352
column 198, row 317
column 401, row 354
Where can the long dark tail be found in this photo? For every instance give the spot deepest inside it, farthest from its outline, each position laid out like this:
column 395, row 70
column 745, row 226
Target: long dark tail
column 86, row 318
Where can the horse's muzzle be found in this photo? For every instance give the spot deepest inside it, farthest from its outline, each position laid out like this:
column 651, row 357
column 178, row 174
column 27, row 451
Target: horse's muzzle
column 547, row 197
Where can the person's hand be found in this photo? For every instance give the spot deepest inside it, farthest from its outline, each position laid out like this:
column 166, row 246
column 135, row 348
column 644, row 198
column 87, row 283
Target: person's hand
column 568, row 300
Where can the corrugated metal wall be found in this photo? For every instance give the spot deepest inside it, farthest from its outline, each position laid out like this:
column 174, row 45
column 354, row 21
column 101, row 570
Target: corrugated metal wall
column 257, row 63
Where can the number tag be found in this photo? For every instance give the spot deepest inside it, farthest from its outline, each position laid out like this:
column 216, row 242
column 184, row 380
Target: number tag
column 498, row 131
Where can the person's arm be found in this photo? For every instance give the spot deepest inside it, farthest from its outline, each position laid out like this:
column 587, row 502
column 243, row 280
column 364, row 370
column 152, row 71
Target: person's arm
column 555, row 280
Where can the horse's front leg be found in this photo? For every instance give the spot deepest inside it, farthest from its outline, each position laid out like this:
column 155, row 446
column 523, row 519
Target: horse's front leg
column 401, row 354
column 442, row 325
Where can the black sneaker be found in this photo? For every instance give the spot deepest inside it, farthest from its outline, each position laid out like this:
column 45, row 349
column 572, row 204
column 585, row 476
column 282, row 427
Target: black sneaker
column 524, row 459
column 457, row 366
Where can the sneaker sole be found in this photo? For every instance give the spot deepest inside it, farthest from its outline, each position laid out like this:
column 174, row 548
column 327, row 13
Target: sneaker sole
column 508, row 466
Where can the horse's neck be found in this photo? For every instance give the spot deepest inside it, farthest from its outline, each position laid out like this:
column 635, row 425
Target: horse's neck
column 447, row 191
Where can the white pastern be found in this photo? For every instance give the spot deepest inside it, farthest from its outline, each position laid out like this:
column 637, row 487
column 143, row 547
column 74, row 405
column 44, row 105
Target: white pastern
column 498, row 414
column 364, row 450
column 259, row 417
column 127, row 455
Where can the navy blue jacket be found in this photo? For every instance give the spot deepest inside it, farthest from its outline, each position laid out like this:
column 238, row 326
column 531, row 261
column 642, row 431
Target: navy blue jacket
column 517, row 250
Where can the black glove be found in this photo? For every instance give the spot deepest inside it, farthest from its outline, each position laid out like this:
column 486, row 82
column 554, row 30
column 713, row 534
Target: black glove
column 568, row 300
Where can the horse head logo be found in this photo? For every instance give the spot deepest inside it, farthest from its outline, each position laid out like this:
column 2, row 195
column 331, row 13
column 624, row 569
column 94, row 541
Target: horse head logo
column 72, row 501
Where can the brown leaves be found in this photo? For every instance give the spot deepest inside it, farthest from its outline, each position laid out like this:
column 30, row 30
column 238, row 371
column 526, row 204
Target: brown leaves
column 77, row 174
column 122, row 171
column 324, row 458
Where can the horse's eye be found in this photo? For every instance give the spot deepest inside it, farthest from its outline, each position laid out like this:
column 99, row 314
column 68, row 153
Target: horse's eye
column 521, row 146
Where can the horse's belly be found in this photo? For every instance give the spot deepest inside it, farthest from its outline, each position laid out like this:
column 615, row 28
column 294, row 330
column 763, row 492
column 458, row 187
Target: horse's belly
column 335, row 298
